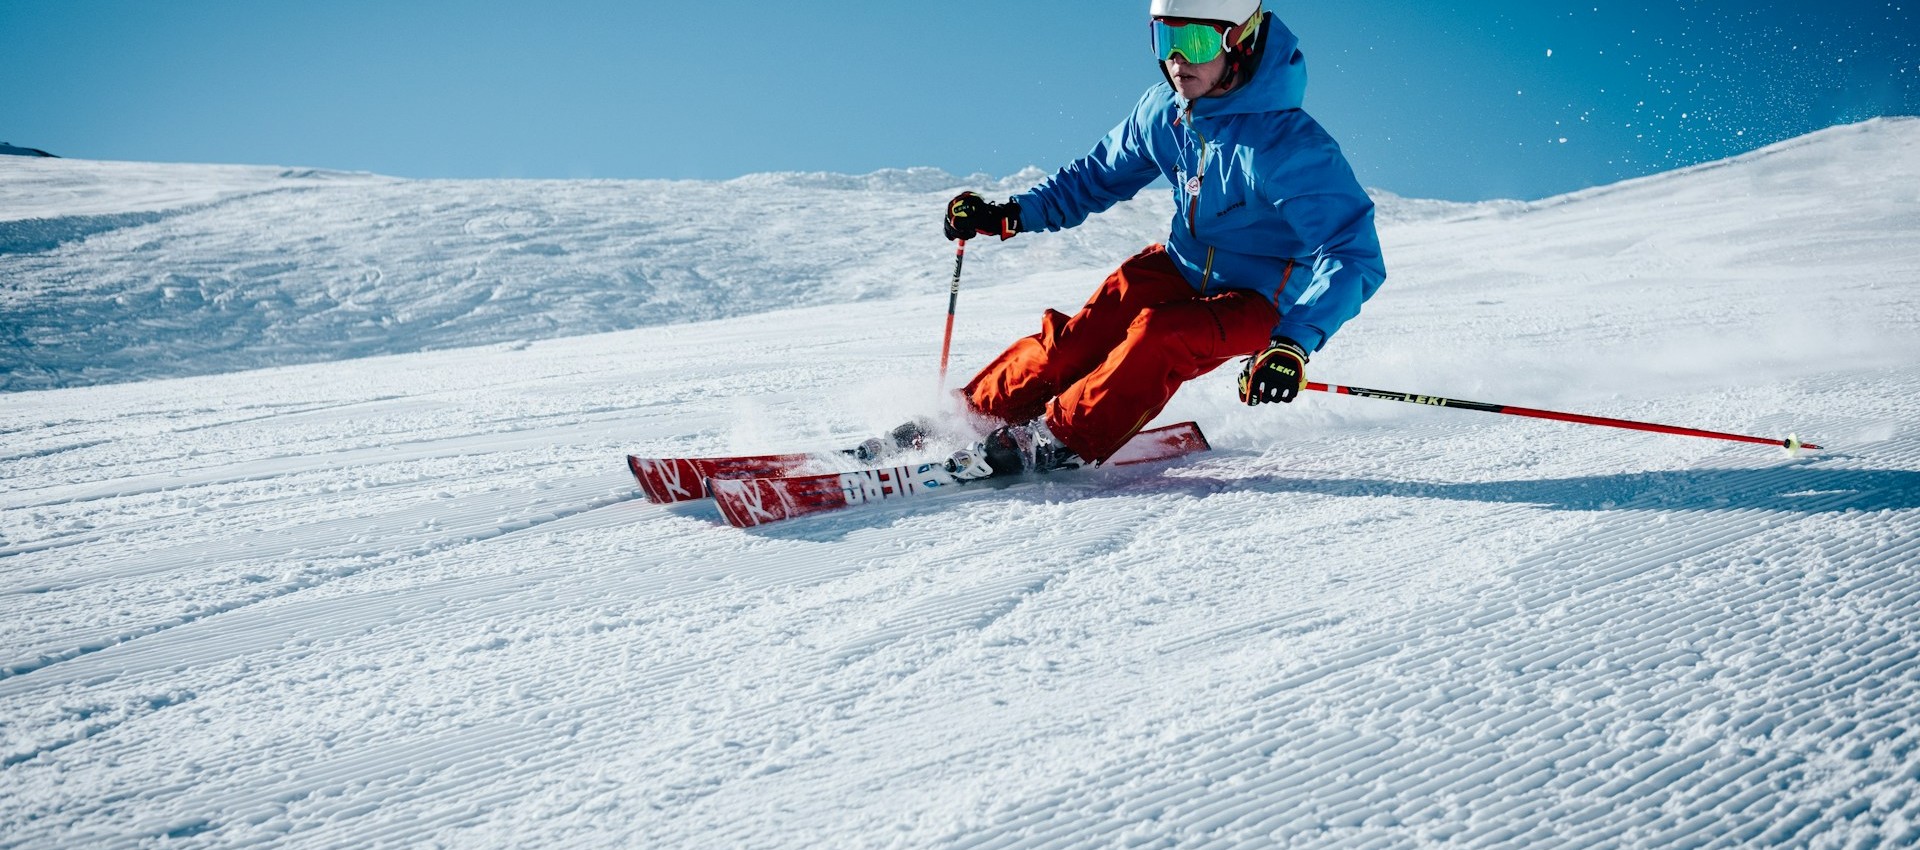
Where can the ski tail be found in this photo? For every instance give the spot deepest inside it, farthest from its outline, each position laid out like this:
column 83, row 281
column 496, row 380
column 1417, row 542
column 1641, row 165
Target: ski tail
column 1161, row 444
column 750, row 502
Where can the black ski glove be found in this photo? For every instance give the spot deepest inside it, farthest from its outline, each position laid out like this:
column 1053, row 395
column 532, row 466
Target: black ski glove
column 969, row 215
column 1276, row 374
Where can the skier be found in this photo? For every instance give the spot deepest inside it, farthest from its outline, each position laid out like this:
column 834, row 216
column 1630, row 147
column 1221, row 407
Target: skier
column 1272, row 248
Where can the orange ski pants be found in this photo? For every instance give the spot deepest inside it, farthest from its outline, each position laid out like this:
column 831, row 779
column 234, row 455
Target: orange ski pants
column 1101, row 375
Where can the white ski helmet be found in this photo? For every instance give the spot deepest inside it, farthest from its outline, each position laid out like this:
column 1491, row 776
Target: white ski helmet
column 1234, row 12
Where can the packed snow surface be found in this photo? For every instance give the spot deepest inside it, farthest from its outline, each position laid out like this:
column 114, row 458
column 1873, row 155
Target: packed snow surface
column 415, row 600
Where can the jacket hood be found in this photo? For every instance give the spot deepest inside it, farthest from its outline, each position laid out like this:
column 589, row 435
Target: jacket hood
column 1279, row 80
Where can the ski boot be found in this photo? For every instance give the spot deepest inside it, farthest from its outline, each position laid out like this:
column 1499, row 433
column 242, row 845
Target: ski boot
column 1013, row 450
column 909, row 437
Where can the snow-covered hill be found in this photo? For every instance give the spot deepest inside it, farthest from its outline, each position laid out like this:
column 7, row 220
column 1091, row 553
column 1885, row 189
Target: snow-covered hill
column 130, row 271
column 413, row 600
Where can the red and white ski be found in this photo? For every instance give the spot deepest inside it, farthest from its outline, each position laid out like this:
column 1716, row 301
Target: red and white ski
column 667, row 480
column 747, row 502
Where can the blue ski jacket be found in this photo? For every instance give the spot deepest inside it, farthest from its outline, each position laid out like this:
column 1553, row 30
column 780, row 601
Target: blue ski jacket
column 1263, row 198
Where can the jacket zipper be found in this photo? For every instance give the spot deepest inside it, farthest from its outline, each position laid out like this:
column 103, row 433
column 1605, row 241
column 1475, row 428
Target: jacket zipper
column 1193, row 199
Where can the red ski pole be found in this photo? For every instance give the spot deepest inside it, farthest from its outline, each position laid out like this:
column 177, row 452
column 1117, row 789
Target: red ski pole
column 1791, row 443
column 953, row 300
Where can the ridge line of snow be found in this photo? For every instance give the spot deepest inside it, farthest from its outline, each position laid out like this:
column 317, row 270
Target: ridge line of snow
column 1797, row 143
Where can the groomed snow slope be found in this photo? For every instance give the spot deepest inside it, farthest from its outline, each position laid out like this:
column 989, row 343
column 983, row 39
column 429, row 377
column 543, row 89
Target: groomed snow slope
column 414, row 600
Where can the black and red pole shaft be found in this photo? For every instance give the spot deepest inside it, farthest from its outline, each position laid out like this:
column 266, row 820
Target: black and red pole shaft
column 953, row 300
column 1790, row 443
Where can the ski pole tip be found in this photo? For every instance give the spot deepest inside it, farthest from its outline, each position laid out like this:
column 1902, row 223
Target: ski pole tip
column 1794, row 445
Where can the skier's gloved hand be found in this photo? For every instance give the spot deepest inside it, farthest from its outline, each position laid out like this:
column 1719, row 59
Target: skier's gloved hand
column 1276, row 374
column 969, row 215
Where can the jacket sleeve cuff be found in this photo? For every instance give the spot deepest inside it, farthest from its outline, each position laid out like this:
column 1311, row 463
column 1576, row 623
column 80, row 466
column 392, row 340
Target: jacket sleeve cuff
column 1308, row 337
column 1031, row 218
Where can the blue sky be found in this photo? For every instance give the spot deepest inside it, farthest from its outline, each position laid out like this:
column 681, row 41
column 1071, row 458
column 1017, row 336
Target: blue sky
column 1460, row 100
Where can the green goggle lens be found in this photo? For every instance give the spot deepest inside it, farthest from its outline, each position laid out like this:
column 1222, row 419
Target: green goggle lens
column 1196, row 44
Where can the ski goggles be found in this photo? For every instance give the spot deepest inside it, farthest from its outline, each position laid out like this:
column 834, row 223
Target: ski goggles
column 1194, row 42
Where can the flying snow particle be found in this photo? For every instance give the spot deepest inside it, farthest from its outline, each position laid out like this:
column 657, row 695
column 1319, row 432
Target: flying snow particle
column 1549, row 53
